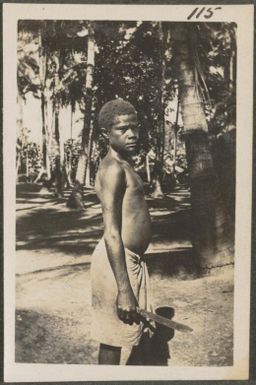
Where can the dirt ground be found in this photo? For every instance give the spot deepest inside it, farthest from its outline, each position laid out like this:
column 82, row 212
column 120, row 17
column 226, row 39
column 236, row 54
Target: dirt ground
column 54, row 245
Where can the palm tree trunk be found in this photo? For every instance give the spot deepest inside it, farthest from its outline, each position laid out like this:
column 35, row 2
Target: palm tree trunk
column 20, row 127
column 71, row 134
column 44, row 106
column 59, row 151
column 75, row 199
column 89, row 153
column 81, row 172
column 18, row 164
column 45, row 165
column 48, row 139
column 68, row 162
column 59, row 159
column 158, row 167
column 27, row 166
column 148, row 169
column 44, row 137
column 176, row 127
column 210, row 229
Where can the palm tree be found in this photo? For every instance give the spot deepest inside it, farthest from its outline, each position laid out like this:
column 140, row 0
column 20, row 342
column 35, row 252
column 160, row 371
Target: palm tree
column 27, row 79
column 75, row 199
column 32, row 76
column 210, row 237
column 43, row 62
column 158, row 166
column 19, row 143
column 58, row 145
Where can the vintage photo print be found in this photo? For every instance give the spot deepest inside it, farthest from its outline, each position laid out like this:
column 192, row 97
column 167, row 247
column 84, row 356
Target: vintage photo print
column 127, row 145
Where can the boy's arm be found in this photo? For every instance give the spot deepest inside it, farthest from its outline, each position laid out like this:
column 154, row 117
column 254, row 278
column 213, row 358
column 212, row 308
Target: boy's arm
column 113, row 188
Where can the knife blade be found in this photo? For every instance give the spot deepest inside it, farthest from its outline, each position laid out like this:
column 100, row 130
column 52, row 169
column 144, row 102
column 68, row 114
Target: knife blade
column 164, row 321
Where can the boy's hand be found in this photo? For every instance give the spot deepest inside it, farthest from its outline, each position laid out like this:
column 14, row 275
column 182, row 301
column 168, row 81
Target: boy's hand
column 126, row 304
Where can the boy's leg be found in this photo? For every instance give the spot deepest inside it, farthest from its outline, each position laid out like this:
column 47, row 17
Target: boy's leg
column 109, row 355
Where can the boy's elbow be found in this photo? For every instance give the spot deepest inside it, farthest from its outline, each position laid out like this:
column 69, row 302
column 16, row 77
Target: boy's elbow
column 112, row 236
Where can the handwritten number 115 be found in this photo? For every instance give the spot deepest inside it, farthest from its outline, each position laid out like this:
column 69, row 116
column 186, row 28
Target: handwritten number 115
column 207, row 13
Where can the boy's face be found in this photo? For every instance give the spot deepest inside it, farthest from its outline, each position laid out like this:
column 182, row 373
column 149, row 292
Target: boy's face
column 124, row 134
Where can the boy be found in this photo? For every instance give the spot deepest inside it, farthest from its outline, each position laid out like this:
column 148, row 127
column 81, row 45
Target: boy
column 118, row 272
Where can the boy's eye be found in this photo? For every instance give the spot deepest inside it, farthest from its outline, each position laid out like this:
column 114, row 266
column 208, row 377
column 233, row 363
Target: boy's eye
column 125, row 128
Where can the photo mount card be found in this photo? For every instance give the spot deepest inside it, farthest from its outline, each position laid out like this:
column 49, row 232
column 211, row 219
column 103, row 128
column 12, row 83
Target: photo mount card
column 30, row 283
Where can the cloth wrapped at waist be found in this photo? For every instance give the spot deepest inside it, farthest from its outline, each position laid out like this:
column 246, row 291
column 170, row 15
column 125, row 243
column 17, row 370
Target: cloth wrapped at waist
column 106, row 327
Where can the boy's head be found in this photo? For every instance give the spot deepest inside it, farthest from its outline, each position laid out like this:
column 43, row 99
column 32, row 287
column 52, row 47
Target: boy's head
column 119, row 119
column 112, row 109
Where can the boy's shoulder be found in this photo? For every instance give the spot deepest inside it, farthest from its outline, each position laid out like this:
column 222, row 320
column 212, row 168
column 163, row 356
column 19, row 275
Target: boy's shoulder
column 111, row 168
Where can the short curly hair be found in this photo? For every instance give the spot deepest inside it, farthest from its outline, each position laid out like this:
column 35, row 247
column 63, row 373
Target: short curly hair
column 113, row 108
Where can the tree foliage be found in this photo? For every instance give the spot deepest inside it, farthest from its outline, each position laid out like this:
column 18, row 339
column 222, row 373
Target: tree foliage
column 134, row 60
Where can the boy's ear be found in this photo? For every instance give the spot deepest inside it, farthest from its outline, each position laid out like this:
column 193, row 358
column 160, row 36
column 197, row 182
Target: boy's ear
column 105, row 133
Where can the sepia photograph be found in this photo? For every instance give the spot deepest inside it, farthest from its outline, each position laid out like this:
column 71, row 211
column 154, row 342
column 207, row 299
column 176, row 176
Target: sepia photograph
column 127, row 156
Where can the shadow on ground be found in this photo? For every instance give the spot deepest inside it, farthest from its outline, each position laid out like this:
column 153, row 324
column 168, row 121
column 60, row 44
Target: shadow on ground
column 46, row 223
column 48, row 339
column 68, row 232
column 53, row 301
column 180, row 263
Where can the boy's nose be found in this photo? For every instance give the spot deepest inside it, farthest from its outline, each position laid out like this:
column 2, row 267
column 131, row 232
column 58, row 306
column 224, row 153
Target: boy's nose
column 132, row 133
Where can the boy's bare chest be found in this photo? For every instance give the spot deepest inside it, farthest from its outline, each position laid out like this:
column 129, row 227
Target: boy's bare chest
column 134, row 183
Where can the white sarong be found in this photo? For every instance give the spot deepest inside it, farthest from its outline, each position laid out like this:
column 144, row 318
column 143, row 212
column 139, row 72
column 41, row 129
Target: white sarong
column 106, row 327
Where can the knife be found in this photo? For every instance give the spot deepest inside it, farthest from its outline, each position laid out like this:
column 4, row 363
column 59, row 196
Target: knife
column 164, row 321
